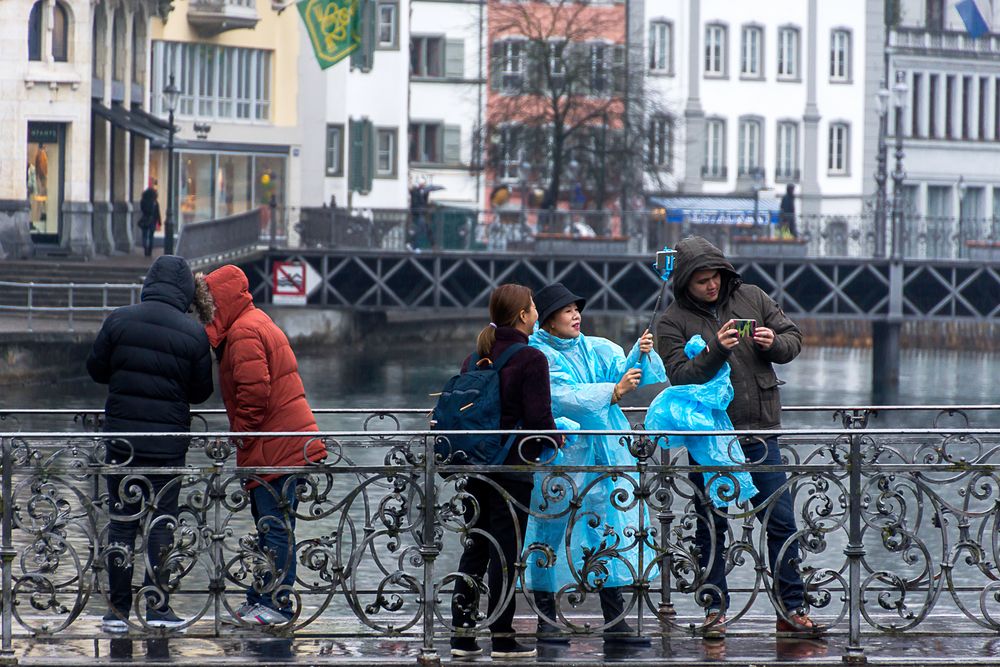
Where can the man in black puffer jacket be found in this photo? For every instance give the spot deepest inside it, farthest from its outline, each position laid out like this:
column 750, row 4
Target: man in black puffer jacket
column 156, row 362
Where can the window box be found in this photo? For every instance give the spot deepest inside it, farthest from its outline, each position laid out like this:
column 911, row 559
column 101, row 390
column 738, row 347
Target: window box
column 983, row 251
column 760, row 246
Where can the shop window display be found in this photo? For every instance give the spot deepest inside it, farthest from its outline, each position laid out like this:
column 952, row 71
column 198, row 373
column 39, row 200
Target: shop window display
column 43, row 176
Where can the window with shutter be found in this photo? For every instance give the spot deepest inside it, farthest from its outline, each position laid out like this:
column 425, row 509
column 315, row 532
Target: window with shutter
column 452, row 144
column 363, row 57
column 361, row 162
column 454, row 58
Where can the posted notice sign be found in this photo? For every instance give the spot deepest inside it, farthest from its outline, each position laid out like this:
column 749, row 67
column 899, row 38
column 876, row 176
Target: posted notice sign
column 292, row 283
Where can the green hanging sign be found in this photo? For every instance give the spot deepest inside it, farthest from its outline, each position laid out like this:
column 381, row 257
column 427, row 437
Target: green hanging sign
column 334, row 28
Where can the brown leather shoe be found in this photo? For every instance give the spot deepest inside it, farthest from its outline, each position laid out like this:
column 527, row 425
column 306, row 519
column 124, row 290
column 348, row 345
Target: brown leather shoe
column 715, row 625
column 799, row 625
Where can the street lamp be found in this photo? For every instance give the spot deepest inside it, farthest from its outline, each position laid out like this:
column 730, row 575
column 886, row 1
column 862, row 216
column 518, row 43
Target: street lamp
column 758, row 184
column 881, row 172
column 170, row 96
column 899, row 94
column 961, row 186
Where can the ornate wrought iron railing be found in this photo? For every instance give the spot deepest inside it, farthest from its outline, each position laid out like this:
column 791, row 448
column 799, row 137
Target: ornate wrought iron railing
column 893, row 524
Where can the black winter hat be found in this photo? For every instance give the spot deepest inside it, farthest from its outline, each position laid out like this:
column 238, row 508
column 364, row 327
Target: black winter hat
column 553, row 298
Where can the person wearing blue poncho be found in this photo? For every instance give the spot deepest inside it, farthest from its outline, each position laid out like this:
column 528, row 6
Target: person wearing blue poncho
column 593, row 544
column 709, row 296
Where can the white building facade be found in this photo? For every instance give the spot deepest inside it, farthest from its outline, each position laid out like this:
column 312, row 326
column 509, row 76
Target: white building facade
column 407, row 109
column 951, row 127
column 775, row 87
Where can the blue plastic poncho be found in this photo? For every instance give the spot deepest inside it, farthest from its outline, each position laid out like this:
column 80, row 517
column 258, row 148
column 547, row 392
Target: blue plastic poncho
column 583, row 372
column 702, row 407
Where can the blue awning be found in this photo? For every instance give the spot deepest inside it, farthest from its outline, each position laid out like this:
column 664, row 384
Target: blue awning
column 718, row 210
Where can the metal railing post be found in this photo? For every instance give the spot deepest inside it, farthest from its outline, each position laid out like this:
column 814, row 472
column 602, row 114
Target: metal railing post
column 7, row 555
column 666, row 519
column 855, row 550
column 31, row 299
column 70, row 306
column 429, row 550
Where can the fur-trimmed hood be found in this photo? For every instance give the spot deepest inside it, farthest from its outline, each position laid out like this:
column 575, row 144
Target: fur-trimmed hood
column 225, row 296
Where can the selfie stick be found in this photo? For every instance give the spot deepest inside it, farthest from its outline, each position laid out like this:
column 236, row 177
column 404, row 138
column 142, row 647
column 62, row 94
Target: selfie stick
column 664, row 271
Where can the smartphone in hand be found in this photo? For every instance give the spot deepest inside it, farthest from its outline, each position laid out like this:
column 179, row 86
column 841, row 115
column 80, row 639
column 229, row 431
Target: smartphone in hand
column 745, row 328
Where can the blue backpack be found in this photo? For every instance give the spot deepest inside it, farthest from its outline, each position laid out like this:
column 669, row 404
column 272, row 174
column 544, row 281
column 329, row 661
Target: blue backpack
column 470, row 401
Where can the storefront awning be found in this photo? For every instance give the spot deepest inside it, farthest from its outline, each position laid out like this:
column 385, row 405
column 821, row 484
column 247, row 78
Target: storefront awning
column 735, row 210
column 137, row 121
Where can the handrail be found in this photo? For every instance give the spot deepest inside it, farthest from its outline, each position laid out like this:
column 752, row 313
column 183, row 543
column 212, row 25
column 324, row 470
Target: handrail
column 71, row 292
column 381, row 521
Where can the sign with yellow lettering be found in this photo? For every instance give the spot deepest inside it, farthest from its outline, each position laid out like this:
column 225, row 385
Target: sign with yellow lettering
column 334, row 28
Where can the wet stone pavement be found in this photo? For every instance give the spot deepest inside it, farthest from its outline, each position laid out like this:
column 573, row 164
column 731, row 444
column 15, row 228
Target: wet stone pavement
column 944, row 640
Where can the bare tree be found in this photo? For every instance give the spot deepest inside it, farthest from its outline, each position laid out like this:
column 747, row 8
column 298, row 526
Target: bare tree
column 558, row 78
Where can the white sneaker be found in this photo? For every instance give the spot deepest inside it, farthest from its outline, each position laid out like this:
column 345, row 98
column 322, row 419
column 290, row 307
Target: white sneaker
column 113, row 623
column 261, row 615
column 238, row 614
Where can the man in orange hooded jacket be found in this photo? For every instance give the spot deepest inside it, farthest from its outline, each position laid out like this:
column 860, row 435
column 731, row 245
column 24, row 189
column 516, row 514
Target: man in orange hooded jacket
column 262, row 391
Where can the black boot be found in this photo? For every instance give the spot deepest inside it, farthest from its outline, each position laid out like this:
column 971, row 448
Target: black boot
column 548, row 633
column 613, row 606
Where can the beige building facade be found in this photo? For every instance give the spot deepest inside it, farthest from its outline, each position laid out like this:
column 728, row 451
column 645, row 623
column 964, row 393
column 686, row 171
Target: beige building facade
column 237, row 148
column 59, row 61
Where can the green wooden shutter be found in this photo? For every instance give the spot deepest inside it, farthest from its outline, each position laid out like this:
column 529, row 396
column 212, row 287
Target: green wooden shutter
column 452, row 144
column 361, row 162
column 454, row 58
column 364, row 56
column 496, row 64
column 618, row 69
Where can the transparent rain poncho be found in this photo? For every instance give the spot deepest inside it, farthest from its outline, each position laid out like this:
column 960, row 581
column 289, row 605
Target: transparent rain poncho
column 602, row 530
column 702, row 407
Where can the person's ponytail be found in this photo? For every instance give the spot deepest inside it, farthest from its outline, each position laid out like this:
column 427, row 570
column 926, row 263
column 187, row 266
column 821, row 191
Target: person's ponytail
column 506, row 304
column 487, row 337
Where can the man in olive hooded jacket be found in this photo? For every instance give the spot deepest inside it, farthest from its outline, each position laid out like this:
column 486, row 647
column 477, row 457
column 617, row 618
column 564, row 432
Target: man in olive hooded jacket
column 708, row 296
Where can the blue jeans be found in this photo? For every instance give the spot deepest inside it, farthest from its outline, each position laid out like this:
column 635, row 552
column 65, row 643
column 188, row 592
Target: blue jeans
column 273, row 507
column 780, row 526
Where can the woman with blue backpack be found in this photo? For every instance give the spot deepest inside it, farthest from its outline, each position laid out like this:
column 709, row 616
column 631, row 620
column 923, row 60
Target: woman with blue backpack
column 592, row 535
column 495, row 503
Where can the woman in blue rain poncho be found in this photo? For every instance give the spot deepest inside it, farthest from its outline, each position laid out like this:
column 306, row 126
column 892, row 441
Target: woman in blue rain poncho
column 588, row 376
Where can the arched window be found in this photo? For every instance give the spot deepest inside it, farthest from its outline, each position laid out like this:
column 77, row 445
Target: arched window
column 60, row 33
column 35, row 32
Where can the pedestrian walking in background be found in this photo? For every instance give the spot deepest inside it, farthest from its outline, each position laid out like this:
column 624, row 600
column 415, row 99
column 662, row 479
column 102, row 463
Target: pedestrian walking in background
column 149, row 220
column 524, row 404
column 786, row 218
column 156, row 362
column 262, row 391
column 589, row 376
column 708, row 296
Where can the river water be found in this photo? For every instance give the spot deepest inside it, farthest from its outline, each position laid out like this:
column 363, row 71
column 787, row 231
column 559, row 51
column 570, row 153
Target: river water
column 397, row 378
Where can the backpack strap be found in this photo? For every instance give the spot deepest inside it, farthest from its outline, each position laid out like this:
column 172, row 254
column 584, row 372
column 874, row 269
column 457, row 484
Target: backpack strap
column 507, row 354
column 497, row 365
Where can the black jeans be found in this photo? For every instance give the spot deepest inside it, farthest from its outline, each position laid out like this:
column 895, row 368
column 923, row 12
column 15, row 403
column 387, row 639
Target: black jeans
column 780, row 526
column 164, row 497
column 147, row 238
column 480, row 556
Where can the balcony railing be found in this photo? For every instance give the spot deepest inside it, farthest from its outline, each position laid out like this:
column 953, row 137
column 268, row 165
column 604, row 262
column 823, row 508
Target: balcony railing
column 895, row 509
column 945, row 42
column 210, row 17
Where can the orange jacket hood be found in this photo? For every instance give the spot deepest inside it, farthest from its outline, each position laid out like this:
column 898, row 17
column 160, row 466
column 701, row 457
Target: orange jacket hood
column 230, row 292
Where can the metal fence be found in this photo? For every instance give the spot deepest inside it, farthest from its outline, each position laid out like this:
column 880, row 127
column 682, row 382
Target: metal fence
column 894, row 523
column 611, row 233
column 65, row 300
column 215, row 241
